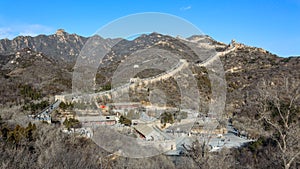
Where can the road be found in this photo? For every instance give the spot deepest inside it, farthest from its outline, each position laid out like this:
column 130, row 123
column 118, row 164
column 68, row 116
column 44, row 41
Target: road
column 228, row 140
column 48, row 110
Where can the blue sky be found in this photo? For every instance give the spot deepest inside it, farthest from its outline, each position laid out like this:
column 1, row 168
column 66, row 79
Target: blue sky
column 270, row 24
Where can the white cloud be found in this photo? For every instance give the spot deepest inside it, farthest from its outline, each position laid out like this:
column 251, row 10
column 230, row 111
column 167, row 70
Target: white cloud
column 11, row 32
column 185, row 8
column 36, row 29
column 6, row 33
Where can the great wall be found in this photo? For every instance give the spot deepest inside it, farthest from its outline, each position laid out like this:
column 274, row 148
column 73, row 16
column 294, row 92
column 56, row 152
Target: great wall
column 124, row 89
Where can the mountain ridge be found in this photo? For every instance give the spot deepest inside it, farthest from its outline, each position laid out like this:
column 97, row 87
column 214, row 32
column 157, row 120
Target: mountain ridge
column 66, row 47
column 243, row 67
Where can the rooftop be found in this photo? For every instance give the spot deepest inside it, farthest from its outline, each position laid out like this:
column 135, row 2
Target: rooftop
column 144, row 129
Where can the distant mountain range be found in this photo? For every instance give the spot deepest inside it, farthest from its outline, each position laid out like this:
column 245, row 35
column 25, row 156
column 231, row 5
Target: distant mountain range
column 66, row 47
column 60, row 45
column 46, row 63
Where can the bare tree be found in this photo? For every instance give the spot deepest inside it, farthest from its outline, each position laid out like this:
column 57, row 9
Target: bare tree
column 280, row 112
column 199, row 153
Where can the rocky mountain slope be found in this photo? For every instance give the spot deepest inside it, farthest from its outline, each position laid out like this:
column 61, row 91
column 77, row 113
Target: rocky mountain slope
column 46, row 62
column 60, row 46
column 32, row 69
column 28, row 67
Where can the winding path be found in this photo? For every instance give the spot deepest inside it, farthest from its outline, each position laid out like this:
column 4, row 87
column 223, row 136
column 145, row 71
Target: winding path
column 169, row 73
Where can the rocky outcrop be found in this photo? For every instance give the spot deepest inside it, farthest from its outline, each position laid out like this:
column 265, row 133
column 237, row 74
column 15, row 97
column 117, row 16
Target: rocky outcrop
column 59, row 46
